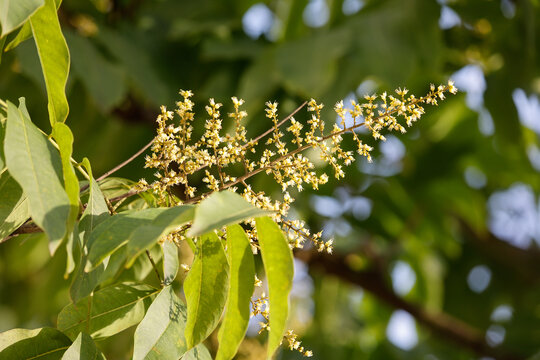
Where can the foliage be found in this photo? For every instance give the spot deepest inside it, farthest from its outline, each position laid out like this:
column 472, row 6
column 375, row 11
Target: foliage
column 117, row 243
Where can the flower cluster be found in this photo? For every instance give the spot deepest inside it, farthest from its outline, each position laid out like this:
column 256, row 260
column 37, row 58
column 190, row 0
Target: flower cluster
column 216, row 158
column 178, row 158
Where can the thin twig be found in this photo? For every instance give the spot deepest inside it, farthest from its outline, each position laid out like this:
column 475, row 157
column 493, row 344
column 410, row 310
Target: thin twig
column 154, row 266
column 121, row 165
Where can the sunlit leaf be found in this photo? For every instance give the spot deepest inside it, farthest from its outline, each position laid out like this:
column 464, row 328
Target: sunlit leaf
column 241, row 283
column 13, row 13
column 42, row 344
column 206, row 289
column 199, row 352
column 64, row 138
column 106, row 312
column 221, row 209
column 36, row 166
column 279, row 269
column 83, row 348
column 13, row 207
column 54, row 57
column 170, row 261
column 147, row 235
column 160, row 335
column 24, row 34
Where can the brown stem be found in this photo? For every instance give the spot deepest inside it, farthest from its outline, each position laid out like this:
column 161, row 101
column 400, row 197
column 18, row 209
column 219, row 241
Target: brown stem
column 373, row 281
column 154, row 266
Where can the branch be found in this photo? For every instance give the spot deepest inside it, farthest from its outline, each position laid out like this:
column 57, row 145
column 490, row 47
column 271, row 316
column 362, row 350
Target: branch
column 373, row 281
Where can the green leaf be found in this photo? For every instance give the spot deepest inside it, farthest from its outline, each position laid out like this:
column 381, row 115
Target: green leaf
column 142, row 228
column 96, row 212
column 104, row 80
column 13, row 207
column 106, row 312
column 146, row 236
column 160, row 335
column 170, row 261
column 114, row 232
column 221, row 209
column 278, row 266
column 241, row 283
column 43, row 344
column 199, row 352
column 36, row 166
column 13, row 13
column 24, row 34
column 206, row 289
column 64, row 138
column 83, row 348
column 54, row 56
column 2, row 43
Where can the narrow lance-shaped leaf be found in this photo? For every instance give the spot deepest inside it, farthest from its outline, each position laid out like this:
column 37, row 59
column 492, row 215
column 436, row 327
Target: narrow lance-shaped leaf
column 36, row 166
column 96, row 212
column 241, row 283
column 106, row 312
column 278, row 266
column 170, row 261
column 221, row 209
column 206, row 289
column 148, row 235
column 83, row 348
column 64, row 138
column 13, row 13
column 43, row 344
column 160, row 335
column 54, row 56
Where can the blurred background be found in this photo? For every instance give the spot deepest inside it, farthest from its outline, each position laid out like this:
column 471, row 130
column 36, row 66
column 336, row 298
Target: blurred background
column 437, row 242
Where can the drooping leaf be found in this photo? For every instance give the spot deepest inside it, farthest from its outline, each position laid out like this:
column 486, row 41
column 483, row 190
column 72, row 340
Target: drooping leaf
column 13, row 207
column 24, row 34
column 83, row 348
column 104, row 80
column 160, row 335
column 278, row 266
column 13, row 13
column 242, row 275
column 43, row 344
column 148, row 235
column 96, row 212
column 170, row 261
column 114, row 232
column 221, row 209
column 36, row 166
column 64, row 138
column 199, row 352
column 206, row 289
column 107, row 311
column 54, row 56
